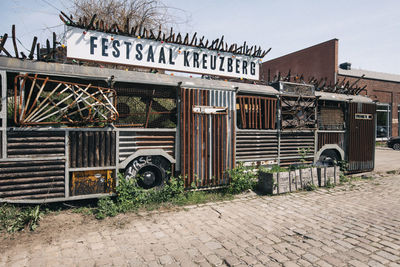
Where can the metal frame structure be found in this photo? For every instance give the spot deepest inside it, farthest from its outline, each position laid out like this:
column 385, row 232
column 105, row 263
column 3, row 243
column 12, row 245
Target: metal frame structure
column 205, row 143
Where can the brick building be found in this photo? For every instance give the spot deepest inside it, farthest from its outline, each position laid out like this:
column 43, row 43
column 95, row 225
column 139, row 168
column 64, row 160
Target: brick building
column 321, row 62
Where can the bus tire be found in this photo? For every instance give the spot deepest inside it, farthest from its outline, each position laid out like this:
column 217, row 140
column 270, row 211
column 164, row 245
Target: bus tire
column 329, row 158
column 150, row 171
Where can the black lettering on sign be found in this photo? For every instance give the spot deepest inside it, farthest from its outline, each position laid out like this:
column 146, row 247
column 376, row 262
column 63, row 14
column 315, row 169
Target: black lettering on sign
column 161, row 59
column 170, row 57
column 92, row 44
column 213, row 62
column 252, row 68
column 150, row 54
column 116, row 45
column 204, row 61
column 244, row 67
column 230, row 61
column 237, row 66
column 186, row 58
column 128, row 49
column 196, row 60
column 139, row 55
column 221, row 65
column 104, row 47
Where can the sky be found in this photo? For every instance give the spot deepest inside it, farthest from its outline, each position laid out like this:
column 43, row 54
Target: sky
column 368, row 31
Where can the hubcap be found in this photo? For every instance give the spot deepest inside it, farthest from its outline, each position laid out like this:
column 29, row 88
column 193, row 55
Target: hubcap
column 148, row 178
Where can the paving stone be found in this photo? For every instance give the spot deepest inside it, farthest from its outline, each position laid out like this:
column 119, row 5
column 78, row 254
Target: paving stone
column 342, row 226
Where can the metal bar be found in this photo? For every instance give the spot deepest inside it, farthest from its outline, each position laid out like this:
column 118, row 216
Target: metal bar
column 198, row 139
column 193, row 144
column 3, row 113
column 16, row 103
column 14, row 40
column 183, row 132
column 66, row 168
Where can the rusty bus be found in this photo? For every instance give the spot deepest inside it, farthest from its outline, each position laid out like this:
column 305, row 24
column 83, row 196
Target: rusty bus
column 68, row 130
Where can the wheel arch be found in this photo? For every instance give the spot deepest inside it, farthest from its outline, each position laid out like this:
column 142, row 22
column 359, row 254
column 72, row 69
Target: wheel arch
column 146, row 152
column 338, row 149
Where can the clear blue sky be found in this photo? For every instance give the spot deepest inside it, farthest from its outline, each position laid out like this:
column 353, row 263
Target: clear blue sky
column 368, row 31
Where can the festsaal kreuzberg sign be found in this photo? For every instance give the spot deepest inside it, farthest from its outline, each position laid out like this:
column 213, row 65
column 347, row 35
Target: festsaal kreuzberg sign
column 118, row 49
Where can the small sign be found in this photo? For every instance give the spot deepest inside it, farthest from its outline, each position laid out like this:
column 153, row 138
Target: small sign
column 360, row 116
column 209, row 110
column 117, row 49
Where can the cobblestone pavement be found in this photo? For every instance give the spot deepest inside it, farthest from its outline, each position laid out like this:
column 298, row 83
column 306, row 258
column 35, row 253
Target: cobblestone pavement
column 352, row 225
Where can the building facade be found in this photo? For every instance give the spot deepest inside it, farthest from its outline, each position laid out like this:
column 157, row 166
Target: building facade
column 320, row 62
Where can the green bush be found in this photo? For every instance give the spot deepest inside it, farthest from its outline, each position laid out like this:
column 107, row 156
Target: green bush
column 14, row 218
column 106, row 207
column 130, row 196
column 241, row 179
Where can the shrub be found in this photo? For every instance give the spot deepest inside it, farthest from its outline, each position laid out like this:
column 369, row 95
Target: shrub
column 241, row 179
column 14, row 218
column 106, row 207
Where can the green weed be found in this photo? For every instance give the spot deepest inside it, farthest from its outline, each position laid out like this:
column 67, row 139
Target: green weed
column 241, row 179
column 14, row 218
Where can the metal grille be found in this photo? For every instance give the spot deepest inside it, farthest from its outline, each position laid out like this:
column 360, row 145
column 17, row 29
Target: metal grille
column 92, row 148
column 132, row 141
column 256, row 112
column 35, row 144
column 293, row 144
column 32, row 179
column 252, row 145
column 41, row 101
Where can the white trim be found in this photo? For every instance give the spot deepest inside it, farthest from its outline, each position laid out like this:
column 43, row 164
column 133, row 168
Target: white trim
column 329, row 146
column 146, row 152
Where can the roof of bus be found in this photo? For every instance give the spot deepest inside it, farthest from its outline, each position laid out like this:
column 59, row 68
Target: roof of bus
column 96, row 73
column 343, row 97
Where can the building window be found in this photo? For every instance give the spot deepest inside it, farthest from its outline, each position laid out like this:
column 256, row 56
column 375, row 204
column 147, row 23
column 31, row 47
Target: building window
column 383, row 121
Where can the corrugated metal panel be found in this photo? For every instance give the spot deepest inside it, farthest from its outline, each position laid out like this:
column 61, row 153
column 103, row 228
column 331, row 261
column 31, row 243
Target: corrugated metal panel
column 206, row 140
column 132, row 141
column 254, row 145
column 292, row 143
column 325, row 138
column 361, row 139
column 92, row 148
column 32, row 179
column 35, row 144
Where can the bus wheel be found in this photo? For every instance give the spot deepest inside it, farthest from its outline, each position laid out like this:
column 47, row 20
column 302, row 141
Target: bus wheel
column 151, row 171
column 328, row 158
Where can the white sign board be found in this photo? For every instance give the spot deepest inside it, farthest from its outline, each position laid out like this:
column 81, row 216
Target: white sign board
column 118, row 49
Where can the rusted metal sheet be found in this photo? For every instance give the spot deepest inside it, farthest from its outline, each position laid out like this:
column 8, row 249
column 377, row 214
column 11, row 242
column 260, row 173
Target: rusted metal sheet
column 253, row 145
column 207, row 140
column 294, row 144
column 361, row 137
column 325, row 138
column 132, row 141
column 92, row 148
column 35, row 144
column 92, row 182
column 32, row 179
